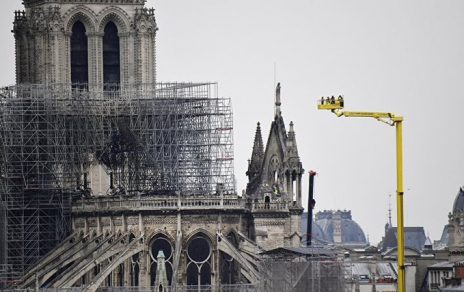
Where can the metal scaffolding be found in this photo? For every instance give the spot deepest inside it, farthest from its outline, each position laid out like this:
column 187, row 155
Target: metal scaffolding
column 302, row 273
column 175, row 138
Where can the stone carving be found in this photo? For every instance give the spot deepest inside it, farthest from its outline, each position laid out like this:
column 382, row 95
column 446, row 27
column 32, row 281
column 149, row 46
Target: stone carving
column 144, row 21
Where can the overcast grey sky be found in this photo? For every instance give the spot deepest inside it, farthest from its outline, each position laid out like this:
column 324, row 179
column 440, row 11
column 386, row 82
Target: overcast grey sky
column 406, row 57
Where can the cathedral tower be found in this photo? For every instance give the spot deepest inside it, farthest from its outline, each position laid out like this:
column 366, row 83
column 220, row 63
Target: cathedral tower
column 274, row 185
column 90, row 42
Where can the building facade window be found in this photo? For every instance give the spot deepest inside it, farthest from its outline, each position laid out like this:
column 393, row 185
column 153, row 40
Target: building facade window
column 79, row 55
column 199, row 259
column 161, row 243
column 111, row 57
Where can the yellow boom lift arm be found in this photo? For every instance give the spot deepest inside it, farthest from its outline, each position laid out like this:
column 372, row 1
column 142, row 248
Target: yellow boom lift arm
column 336, row 106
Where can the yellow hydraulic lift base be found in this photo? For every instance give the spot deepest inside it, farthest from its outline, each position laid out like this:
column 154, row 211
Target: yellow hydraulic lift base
column 336, row 105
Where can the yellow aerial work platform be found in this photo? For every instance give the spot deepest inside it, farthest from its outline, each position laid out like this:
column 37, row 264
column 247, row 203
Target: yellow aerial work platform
column 330, row 103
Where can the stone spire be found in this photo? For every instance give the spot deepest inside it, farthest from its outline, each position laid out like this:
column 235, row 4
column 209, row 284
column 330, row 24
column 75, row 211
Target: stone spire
column 277, row 101
column 291, row 142
column 161, row 282
column 257, row 155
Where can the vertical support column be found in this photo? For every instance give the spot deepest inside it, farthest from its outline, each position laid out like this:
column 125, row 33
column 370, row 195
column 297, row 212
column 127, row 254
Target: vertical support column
column 143, row 268
column 153, row 53
column 288, row 184
column 38, row 61
column 115, row 276
column 112, row 229
column 127, row 272
column 67, row 58
column 399, row 197
column 95, row 59
column 99, row 227
column 60, row 71
column 124, row 58
column 152, row 61
column 141, row 227
column 19, row 56
column 31, row 59
column 53, row 57
column 86, row 226
column 298, row 190
column 123, row 223
column 143, row 55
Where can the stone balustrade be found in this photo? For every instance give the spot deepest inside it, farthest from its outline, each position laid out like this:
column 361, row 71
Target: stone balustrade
column 275, row 206
column 162, row 203
column 102, row 204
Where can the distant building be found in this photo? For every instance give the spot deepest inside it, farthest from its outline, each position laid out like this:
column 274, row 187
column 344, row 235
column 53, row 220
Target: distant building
column 414, row 237
column 335, row 227
column 455, row 229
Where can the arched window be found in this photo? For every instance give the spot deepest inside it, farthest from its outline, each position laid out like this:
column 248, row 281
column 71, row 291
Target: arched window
column 79, row 55
column 229, row 267
column 199, row 259
column 111, row 62
column 161, row 243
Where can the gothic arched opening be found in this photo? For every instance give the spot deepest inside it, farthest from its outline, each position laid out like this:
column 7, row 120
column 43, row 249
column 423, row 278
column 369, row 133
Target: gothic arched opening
column 120, row 275
column 161, row 243
column 79, row 55
column 229, row 267
column 199, row 254
column 111, row 57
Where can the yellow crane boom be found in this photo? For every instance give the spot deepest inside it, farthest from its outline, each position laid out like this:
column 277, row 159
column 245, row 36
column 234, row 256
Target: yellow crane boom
column 336, row 106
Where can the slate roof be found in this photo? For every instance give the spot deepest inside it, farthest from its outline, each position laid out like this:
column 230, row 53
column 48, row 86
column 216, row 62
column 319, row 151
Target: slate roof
column 313, row 251
column 414, row 237
column 441, row 266
column 458, row 206
column 364, row 270
column 445, row 236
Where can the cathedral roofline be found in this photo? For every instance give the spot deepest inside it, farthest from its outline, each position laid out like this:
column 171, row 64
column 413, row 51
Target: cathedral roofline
column 32, row 3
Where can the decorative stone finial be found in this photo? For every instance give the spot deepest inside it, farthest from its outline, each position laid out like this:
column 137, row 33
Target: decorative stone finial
column 277, row 100
column 161, row 282
column 160, row 255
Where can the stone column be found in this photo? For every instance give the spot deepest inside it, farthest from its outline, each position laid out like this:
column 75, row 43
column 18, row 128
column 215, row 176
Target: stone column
column 31, row 58
column 290, row 186
column 54, row 57
column 145, row 262
column 38, row 59
column 95, row 60
column 86, row 226
column 99, row 227
column 288, row 182
column 123, row 223
column 298, row 189
column 141, row 227
column 124, row 56
column 127, row 270
column 67, row 58
column 115, row 276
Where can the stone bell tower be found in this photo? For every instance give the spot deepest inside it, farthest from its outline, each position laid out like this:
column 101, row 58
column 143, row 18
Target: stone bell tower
column 274, row 185
column 90, row 42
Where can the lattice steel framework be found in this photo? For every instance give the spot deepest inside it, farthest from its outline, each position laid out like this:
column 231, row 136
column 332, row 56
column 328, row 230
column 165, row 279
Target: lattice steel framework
column 172, row 138
column 302, row 275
